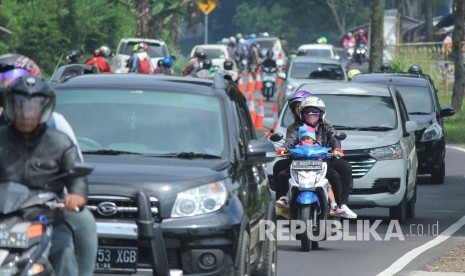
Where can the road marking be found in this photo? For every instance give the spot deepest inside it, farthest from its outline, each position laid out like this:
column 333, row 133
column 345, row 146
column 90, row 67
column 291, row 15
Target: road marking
column 456, row 148
column 412, row 254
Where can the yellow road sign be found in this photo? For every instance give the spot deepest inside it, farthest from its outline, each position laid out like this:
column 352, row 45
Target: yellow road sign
column 206, row 6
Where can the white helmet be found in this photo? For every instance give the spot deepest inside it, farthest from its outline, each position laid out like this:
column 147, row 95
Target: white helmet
column 105, row 51
column 313, row 102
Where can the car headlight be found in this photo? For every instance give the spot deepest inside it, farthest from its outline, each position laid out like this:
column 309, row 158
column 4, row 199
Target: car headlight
column 200, row 200
column 433, row 132
column 387, row 153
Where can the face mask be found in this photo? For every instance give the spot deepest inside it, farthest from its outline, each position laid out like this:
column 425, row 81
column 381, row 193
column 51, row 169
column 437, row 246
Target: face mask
column 312, row 118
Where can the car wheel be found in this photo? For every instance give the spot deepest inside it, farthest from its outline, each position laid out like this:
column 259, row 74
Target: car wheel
column 411, row 204
column 269, row 258
column 437, row 177
column 244, row 265
column 399, row 212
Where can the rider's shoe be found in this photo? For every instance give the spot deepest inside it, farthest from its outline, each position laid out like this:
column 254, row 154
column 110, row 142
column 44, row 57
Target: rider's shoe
column 336, row 211
column 347, row 212
column 282, row 207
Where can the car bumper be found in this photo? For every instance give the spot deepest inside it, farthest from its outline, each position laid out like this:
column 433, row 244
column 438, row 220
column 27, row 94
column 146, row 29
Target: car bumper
column 186, row 241
column 382, row 186
column 430, row 155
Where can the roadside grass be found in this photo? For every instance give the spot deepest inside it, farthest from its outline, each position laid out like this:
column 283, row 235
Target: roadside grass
column 441, row 71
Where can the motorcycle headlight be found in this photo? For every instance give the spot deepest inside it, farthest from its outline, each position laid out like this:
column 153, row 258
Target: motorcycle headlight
column 433, row 132
column 200, row 200
column 358, row 51
column 387, row 153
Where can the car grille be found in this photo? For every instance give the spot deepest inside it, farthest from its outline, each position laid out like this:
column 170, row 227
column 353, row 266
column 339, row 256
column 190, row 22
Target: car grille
column 361, row 164
column 119, row 207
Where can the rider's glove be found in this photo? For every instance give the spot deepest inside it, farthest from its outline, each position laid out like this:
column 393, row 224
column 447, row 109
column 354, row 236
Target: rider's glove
column 281, row 151
column 338, row 153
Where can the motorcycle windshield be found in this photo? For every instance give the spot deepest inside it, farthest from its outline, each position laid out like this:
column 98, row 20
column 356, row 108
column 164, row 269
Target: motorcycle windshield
column 310, row 152
column 12, row 197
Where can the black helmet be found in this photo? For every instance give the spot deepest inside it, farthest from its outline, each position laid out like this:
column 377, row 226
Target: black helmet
column 207, row 64
column 73, row 57
column 415, row 69
column 228, row 65
column 160, row 63
column 32, row 96
column 201, row 55
column 386, row 68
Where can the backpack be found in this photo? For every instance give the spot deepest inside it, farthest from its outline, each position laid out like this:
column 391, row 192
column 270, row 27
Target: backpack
column 144, row 66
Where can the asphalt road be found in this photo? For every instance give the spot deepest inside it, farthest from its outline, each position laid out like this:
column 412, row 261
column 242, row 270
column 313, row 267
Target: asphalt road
column 438, row 207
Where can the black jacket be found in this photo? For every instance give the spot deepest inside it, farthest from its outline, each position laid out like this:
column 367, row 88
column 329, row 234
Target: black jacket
column 324, row 136
column 33, row 162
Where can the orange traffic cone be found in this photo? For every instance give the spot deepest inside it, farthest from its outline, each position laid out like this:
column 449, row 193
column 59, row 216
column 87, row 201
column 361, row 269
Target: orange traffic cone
column 260, row 115
column 258, row 82
column 240, row 83
column 250, row 84
column 275, row 116
column 251, row 106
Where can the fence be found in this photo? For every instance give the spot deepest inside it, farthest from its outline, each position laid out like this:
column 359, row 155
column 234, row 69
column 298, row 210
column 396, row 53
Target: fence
column 434, row 58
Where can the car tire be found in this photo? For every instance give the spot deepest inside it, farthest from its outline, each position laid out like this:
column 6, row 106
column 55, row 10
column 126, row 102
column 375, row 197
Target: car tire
column 411, row 204
column 399, row 212
column 269, row 258
column 244, row 258
column 437, row 176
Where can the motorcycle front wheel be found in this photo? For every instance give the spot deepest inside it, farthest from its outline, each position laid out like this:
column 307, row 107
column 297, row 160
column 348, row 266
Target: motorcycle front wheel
column 306, row 217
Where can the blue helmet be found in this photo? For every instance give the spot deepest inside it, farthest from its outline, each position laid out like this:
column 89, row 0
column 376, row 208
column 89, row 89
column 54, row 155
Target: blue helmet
column 167, row 62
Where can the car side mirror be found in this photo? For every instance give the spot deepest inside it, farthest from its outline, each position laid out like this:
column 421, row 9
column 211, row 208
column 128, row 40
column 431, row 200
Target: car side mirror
column 276, row 137
column 411, row 126
column 282, row 75
column 447, row 111
column 260, row 151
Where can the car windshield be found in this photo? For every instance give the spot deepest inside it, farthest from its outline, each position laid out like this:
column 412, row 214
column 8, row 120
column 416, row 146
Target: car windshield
column 155, row 49
column 355, row 112
column 318, row 53
column 144, row 122
column 266, row 43
column 417, row 99
column 215, row 53
column 312, row 70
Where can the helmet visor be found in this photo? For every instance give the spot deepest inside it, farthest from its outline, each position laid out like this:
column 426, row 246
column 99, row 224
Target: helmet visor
column 9, row 76
column 27, row 112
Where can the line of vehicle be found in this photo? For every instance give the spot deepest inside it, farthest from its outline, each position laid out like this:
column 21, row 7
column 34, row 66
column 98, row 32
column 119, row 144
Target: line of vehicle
column 403, row 261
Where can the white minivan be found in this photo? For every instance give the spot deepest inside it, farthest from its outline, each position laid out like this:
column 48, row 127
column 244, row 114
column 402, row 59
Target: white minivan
column 380, row 143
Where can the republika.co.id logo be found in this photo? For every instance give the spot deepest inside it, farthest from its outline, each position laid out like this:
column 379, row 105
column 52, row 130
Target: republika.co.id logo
column 333, row 230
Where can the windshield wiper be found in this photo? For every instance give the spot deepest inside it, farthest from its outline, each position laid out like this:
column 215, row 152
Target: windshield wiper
column 109, row 152
column 344, row 127
column 186, row 154
column 375, row 128
column 419, row 113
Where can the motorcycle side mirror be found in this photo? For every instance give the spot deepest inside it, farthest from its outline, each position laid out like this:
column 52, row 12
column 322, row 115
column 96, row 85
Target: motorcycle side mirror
column 276, row 137
column 79, row 170
column 282, row 75
column 340, row 136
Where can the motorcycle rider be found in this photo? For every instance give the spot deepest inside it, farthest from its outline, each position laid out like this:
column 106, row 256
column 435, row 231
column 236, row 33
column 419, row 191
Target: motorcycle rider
column 73, row 57
column 281, row 172
column 352, row 73
column 165, row 66
column 195, row 63
column 349, row 44
column 99, row 60
column 269, row 61
column 83, row 222
column 142, row 62
column 41, row 153
column 312, row 112
column 386, row 68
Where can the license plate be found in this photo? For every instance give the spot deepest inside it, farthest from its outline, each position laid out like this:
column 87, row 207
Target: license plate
column 306, row 164
column 116, row 259
column 13, row 239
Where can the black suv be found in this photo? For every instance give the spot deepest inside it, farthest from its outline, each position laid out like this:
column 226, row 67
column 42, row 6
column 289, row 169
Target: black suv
column 179, row 185
column 420, row 97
